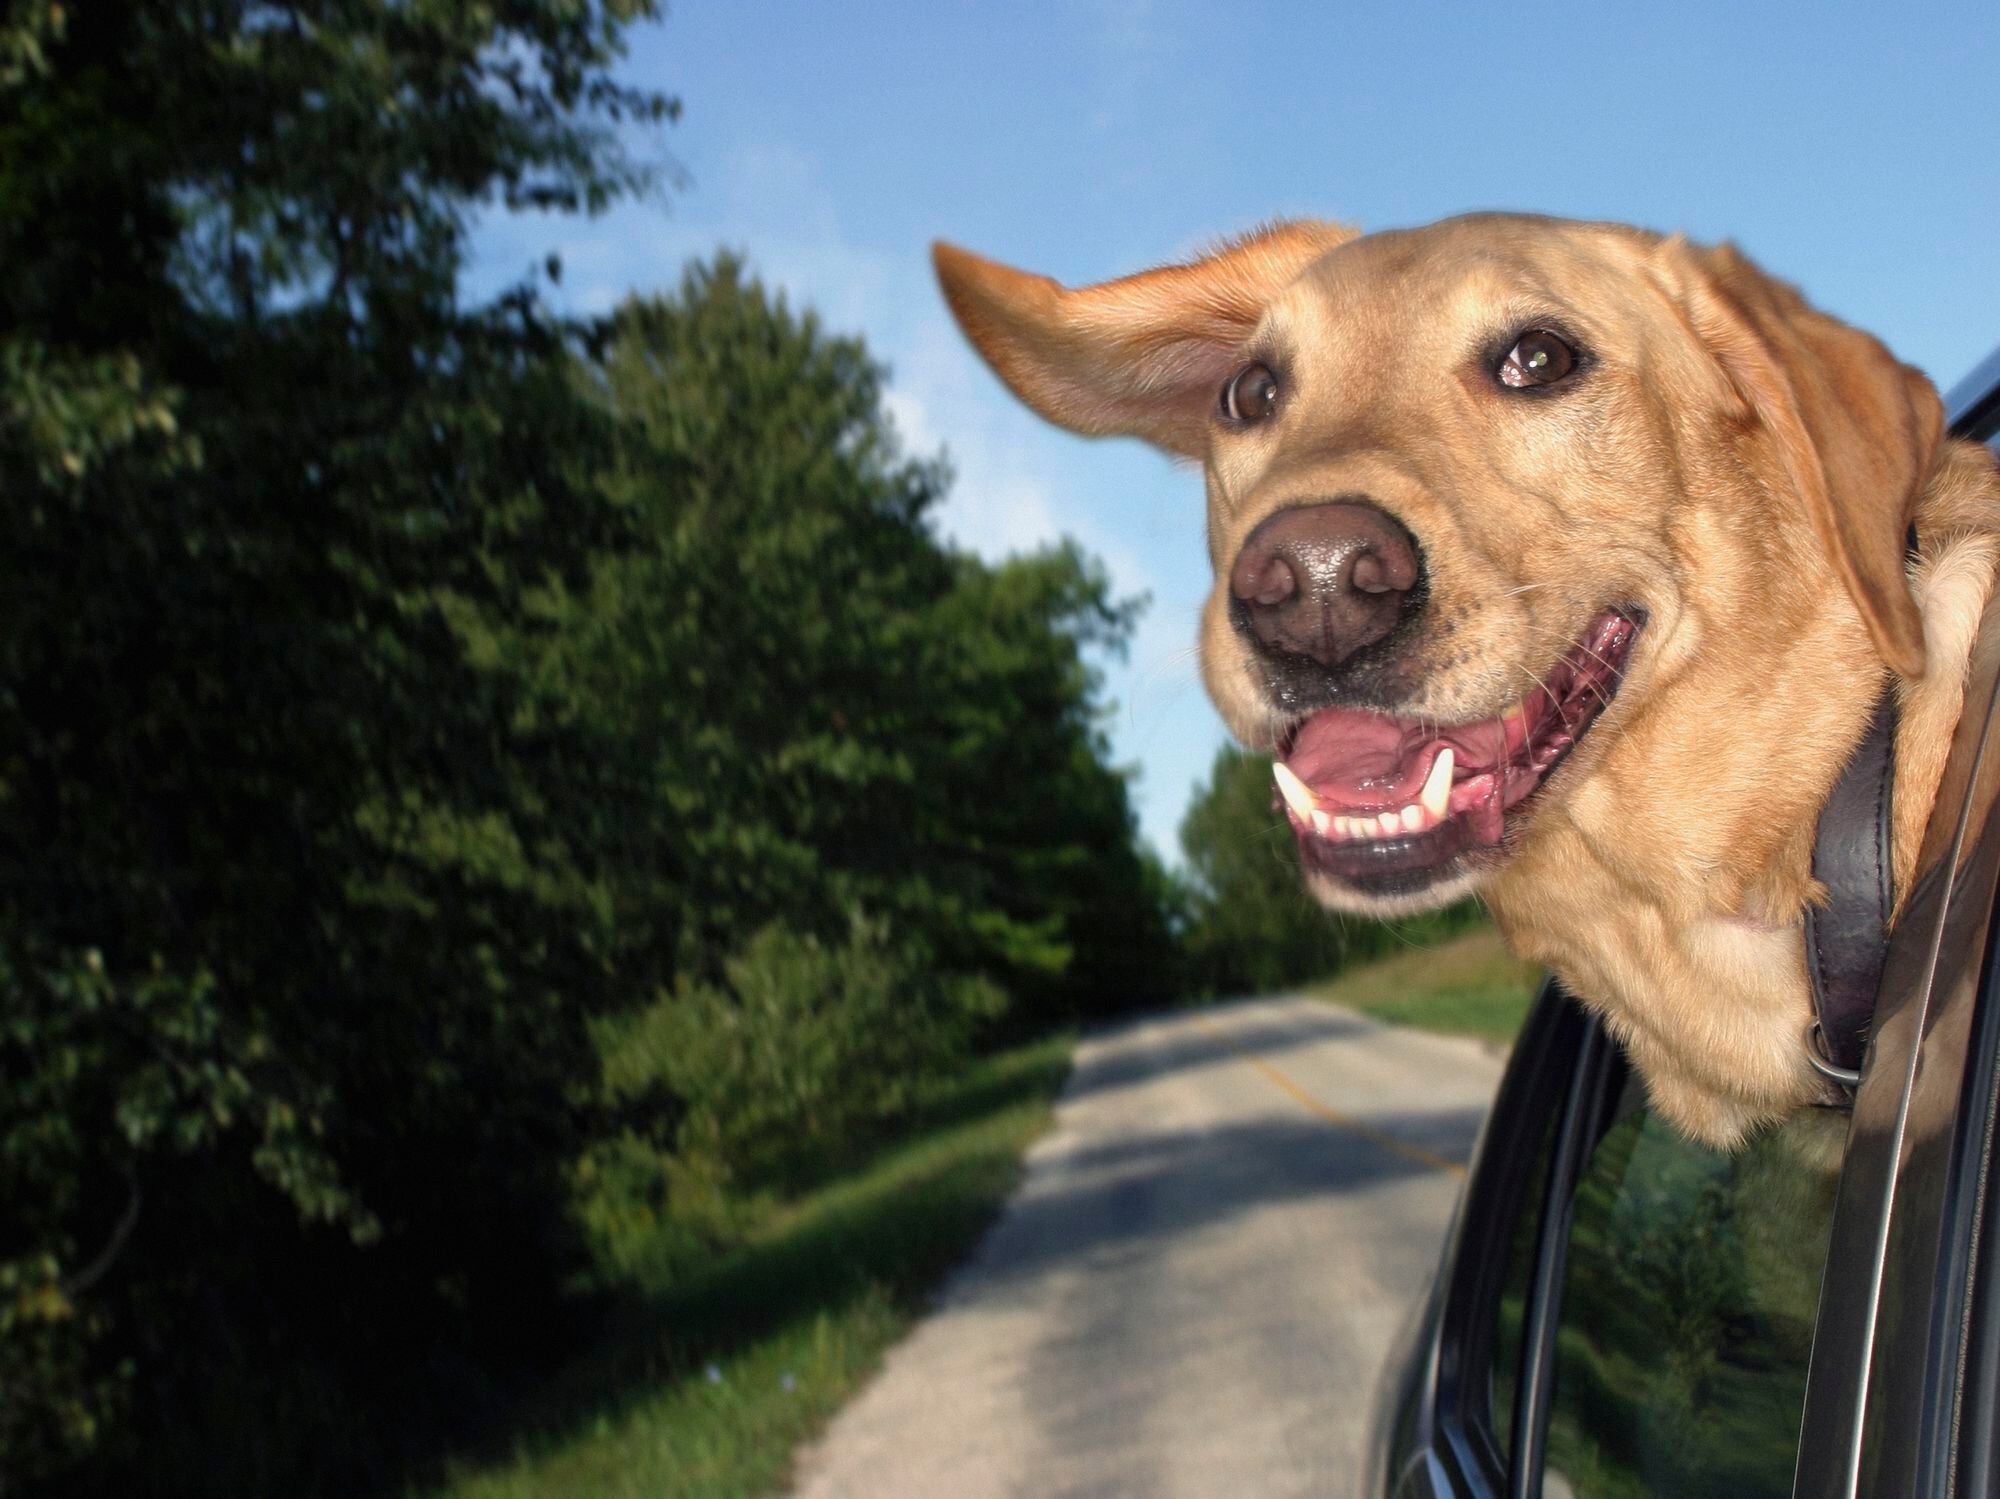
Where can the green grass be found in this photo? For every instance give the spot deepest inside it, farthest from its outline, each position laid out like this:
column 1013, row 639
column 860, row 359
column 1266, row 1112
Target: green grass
column 1468, row 986
column 709, row 1386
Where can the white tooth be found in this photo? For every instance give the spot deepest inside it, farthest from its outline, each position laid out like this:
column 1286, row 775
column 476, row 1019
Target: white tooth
column 1322, row 823
column 1436, row 795
column 1298, row 796
column 1414, row 820
column 1383, row 826
column 1344, row 827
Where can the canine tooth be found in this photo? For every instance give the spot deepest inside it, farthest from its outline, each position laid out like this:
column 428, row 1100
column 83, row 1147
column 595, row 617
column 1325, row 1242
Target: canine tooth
column 1413, row 819
column 1436, row 795
column 1322, row 822
column 1298, row 796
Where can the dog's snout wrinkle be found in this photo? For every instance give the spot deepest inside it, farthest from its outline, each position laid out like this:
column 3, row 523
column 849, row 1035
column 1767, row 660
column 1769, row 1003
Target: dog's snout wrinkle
column 1326, row 580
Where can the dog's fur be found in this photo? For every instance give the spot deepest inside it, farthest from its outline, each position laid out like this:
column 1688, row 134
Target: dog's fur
column 1740, row 465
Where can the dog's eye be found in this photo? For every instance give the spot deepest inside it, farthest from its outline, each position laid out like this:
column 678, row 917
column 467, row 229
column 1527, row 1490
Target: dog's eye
column 1251, row 394
column 1538, row 358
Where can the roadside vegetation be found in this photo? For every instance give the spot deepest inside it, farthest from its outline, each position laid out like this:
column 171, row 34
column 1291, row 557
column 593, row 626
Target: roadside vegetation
column 711, row 1370
column 1467, row 985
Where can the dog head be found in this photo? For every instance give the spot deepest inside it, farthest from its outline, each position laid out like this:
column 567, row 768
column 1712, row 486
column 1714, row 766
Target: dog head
column 1484, row 500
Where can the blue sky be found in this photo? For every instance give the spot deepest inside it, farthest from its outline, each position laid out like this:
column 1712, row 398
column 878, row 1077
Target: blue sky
column 1849, row 149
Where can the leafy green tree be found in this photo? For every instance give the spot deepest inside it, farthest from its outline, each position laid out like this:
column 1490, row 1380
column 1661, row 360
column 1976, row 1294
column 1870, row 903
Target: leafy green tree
column 852, row 786
column 815, row 709
column 298, row 947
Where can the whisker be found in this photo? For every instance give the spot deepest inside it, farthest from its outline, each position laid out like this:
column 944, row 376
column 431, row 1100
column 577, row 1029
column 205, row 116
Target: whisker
column 1577, row 645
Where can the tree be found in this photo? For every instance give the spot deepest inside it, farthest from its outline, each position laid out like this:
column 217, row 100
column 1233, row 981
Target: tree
column 818, row 710
column 853, row 786
column 297, row 950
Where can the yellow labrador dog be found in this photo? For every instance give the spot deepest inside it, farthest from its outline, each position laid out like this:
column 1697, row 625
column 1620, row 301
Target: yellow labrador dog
column 1561, row 562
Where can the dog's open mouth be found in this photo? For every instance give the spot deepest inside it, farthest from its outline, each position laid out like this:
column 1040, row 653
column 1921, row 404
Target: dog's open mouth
column 1384, row 801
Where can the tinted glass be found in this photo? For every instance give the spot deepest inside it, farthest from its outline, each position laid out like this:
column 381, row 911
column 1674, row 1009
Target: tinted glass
column 1687, row 1310
column 1510, row 1310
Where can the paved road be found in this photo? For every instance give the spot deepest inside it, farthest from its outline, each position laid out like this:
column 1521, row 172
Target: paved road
column 1195, row 1288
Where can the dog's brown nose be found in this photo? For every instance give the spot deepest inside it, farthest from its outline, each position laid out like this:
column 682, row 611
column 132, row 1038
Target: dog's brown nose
column 1326, row 580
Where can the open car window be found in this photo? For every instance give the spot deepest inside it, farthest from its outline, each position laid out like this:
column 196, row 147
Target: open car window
column 1689, row 1286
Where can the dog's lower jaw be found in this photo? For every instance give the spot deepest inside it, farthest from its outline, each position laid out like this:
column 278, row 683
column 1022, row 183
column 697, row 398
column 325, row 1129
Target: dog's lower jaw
column 1453, row 886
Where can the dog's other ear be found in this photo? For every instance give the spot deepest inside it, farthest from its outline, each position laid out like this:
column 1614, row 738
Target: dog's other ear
column 1854, row 430
column 1145, row 355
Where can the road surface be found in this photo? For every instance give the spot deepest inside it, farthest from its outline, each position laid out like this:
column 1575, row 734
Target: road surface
column 1195, row 1288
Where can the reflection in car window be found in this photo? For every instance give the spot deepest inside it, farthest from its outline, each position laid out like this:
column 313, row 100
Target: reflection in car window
column 1687, row 1310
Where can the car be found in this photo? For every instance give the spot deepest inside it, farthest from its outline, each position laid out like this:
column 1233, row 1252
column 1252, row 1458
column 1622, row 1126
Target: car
column 1620, row 1313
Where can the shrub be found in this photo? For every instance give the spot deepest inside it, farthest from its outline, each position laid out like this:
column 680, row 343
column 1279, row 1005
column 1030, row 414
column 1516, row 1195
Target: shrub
column 802, row 1052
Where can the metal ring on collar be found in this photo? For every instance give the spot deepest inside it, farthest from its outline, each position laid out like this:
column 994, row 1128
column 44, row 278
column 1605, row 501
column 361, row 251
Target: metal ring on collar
column 1847, row 1077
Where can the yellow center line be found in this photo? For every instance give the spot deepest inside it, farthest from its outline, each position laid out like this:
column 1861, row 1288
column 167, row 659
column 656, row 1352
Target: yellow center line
column 1327, row 1112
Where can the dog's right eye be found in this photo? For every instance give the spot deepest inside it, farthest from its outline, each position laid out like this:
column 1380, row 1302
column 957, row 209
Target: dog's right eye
column 1538, row 358
column 1251, row 394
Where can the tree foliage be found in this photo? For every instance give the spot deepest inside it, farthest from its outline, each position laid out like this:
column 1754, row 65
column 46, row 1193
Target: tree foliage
column 407, row 705
column 296, row 951
column 852, row 787
column 813, row 708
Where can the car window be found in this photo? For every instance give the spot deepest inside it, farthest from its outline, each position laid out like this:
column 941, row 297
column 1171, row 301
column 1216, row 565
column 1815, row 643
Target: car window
column 1687, row 1310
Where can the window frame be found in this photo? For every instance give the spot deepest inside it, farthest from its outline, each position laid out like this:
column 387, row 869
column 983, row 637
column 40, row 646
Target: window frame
column 1564, row 1064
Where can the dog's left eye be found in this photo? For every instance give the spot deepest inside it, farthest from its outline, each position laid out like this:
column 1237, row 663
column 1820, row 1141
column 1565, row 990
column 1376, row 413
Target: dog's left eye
column 1537, row 358
column 1251, row 394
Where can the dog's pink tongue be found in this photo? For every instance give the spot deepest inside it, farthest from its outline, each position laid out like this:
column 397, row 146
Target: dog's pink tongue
column 1362, row 761
column 1357, row 761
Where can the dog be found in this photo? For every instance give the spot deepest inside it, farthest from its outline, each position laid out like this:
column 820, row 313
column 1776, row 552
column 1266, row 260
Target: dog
column 1562, row 563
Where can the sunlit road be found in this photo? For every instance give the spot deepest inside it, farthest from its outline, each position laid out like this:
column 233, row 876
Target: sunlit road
column 1197, row 1284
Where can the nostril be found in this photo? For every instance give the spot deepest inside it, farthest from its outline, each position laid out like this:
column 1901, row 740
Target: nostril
column 1265, row 581
column 1370, row 575
column 1386, row 567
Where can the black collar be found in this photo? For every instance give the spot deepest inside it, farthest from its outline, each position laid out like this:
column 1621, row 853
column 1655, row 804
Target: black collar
column 1847, row 939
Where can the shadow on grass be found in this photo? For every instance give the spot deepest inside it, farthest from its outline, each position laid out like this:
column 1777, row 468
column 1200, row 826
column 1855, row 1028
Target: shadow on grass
column 886, row 1231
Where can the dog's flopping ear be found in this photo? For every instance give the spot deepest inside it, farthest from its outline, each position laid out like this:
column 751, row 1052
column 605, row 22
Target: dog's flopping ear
column 1854, row 430
column 1145, row 355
